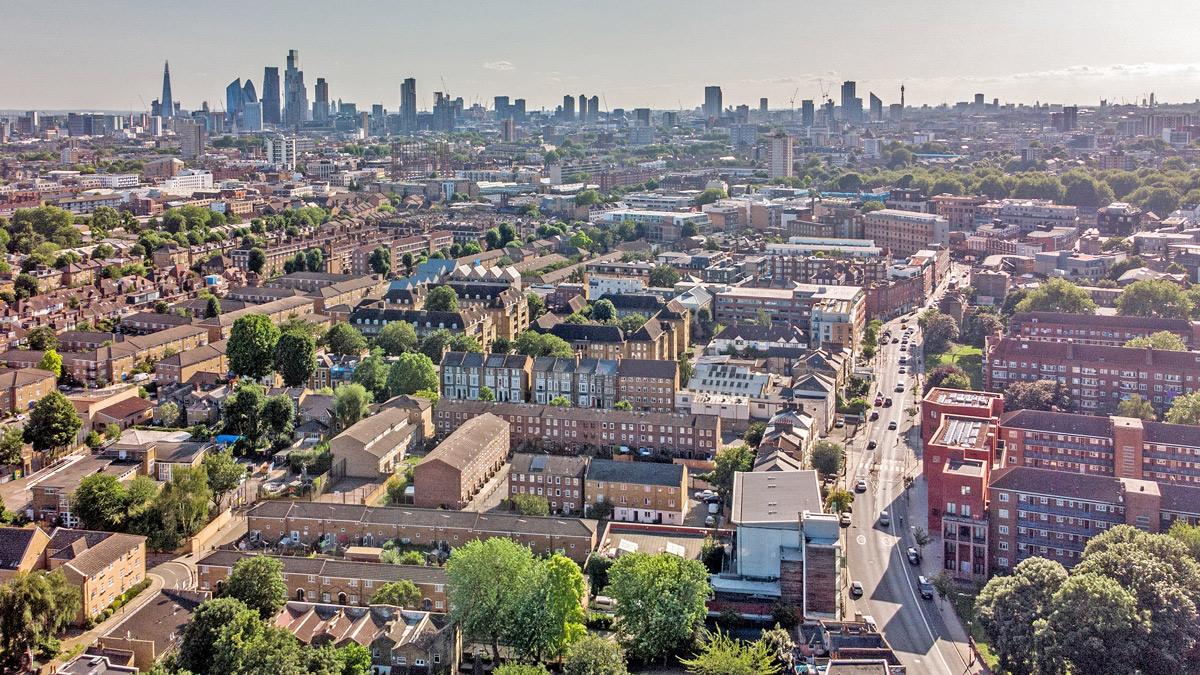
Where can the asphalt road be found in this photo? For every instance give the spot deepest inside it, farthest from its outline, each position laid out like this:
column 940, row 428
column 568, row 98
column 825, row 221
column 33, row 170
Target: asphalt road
column 915, row 627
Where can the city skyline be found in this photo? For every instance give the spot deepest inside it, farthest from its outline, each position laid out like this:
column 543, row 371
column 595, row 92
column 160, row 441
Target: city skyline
column 532, row 51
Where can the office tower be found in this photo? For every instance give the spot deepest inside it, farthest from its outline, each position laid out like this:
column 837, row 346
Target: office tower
column 502, row 108
column 594, row 109
column 270, row 95
column 321, row 104
column 712, row 102
column 252, row 116
column 641, row 117
column 192, row 138
column 364, row 124
column 518, row 110
column 568, row 108
column 583, row 109
column 167, row 102
column 508, row 131
column 295, row 95
column 762, row 105
column 1070, row 118
column 408, row 104
column 443, row 112
column 781, row 156
column 807, row 112
column 249, row 95
column 670, row 119
column 741, row 114
column 851, row 104
column 979, row 101
column 233, row 103
column 876, row 108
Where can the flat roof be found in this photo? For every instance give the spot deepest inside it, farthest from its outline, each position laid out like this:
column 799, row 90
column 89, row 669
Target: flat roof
column 774, row 496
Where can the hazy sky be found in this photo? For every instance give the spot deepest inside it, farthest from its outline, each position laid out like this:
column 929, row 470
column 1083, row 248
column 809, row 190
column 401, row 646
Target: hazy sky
column 103, row 54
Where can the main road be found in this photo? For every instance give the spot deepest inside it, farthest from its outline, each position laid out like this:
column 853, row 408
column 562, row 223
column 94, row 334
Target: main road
column 923, row 632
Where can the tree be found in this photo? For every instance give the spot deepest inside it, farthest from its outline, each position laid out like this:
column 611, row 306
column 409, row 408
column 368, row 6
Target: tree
column 256, row 260
column 351, row 403
column 295, row 357
column 278, row 415
column 754, row 434
column 224, row 473
column 42, row 338
column 535, row 344
column 1039, row 395
column 198, row 643
column 372, row 373
column 100, row 501
column 12, row 440
column 34, row 607
column 25, row 286
column 53, row 423
column 948, row 376
column 664, row 276
column 537, row 306
column 479, row 605
column 179, row 510
column 979, row 325
column 604, row 311
column 345, row 340
column 1137, row 407
column 402, row 593
column 1188, row 535
column 530, row 505
column 251, row 347
column 1011, row 607
column 729, row 460
column 269, row 650
column 1094, row 623
column 828, row 458
column 412, row 372
column 381, row 261
column 1163, row 339
column 594, row 655
column 560, row 402
column 258, row 582
column 1057, row 295
column 168, row 414
column 839, row 500
column 486, row 393
column 520, row 669
column 660, row 601
column 1157, row 298
column 1185, row 409
column 939, row 329
column 51, row 362
column 396, row 338
column 548, row 615
column 442, row 299
column 243, row 413
column 724, row 655
column 212, row 307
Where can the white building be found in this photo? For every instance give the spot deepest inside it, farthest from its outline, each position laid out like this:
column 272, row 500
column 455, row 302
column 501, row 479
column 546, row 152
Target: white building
column 781, row 156
column 187, row 182
column 601, row 285
column 281, row 151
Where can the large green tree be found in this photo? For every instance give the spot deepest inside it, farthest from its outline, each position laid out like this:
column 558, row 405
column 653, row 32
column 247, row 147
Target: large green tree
column 721, row 654
column 34, row 607
column 100, row 502
column 396, row 338
column 730, row 460
column 1057, row 295
column 243, row 413
column 198, row 643
column 1185, row 409
column 1039, row 395
column 536, row 344
column 594, row 655
column 1154, row 298
column 295, row 357
column 345, row 340
column 372, row 374
column 548, row 615
column 828, row 458
column 483, row 608
column 1163, row 339
column 53, row 423
column 660, row 601
column 1137, row 407
column 251, row 346
column 411, row 373
column 258, row 582
column 441, row 299
column 350, row 404
column 1093, row 624
column 402, row 593
column 12, row 440
column 1011, row 607
column 224, row 474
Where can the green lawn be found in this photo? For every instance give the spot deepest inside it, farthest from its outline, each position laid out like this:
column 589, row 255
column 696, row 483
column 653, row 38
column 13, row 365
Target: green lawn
column 969, row 358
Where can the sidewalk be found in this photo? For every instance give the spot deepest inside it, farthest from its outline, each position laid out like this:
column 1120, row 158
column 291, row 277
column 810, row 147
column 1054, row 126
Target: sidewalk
column 90, row 636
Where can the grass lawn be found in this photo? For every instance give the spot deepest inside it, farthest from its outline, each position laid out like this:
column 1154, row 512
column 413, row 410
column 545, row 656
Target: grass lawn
column 969, row 358
column 963, row 599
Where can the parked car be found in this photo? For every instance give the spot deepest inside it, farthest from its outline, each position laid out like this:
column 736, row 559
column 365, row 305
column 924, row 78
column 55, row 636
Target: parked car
column 887, row 402
column 874, row 415
column 914, row 558
column 844, row 519
column 710, row 521
column 703, row 495
column 895, row 340
column 856, row 589
column 885, row 518
column 892, row 425
column 861, row 485
column 926, row 589
column 714, row 508
column 872, row 444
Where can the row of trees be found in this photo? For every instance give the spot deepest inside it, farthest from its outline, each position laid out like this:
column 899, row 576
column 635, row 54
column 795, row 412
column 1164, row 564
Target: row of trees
column 1132, row 600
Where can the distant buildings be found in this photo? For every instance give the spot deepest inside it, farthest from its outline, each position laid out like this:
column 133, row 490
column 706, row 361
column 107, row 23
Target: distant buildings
column 781, row 161
column 712, row 102
column 295, row 95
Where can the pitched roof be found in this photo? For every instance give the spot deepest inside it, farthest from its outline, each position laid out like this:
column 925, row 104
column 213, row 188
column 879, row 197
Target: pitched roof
column 639, row 473
column 1058, row 423
column 87, row 552
column 1065, row 484
column 465, row 443
column 14, row 544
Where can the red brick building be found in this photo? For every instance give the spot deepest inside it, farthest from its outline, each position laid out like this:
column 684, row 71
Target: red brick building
column 454, row 472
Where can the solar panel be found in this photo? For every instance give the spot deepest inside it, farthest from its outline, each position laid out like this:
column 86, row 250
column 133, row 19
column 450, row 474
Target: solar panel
column 538, row 463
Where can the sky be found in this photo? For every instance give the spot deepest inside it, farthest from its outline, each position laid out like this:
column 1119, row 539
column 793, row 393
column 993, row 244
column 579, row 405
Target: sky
column 108, row 54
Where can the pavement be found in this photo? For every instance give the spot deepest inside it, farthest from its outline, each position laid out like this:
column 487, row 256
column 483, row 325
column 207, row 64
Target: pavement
column 925, row 634
column 91, row 635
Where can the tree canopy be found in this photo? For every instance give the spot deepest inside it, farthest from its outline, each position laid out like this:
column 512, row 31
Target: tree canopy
column 1157, row 298
column 251, row 347
column 660, row 601
column 1057, row 295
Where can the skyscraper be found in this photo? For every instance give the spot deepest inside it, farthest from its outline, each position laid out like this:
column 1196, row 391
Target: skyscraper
column 712, row 101
column 781, row 156
column 807, row 112
column 851, row 104
column 270, row 95
column 641, row 117
column 876, row 108
column 583, row 109
column 321, row 102
column 233, row 103
column 593, row 112
column 408, row 105
column 762, row 105
column 568, row 108
column 167, row 102
column 295, row 95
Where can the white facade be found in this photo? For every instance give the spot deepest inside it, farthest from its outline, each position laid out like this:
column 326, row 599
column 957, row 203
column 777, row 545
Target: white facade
column 281, row 151
column 187, row 182
column 600, row 286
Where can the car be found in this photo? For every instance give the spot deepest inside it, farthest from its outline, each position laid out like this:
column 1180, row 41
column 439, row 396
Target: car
column 885, row 518
column 896, row 341
column 872, row 444
column 844, row 519
column 899, row 387
column 856, row 589
column 839, row 423
column 904, row 347
column 710, row 521
column 704, row 494
column 892, row 425
column 874, row 415
column 925, row 588
column 878, row 401
column 861, row 485
column 903, row 370
column 914, row 558
column 714, row 508
column 713, row 498
column 887, row 402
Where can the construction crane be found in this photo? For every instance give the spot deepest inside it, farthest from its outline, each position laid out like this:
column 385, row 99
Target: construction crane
column 794, row 95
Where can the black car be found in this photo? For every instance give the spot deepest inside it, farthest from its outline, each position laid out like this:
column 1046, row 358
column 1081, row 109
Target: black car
column 871, row 445
column 925, row 588
column 914, row 558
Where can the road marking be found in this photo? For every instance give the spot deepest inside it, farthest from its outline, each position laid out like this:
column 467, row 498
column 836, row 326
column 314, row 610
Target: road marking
column 861, row 540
